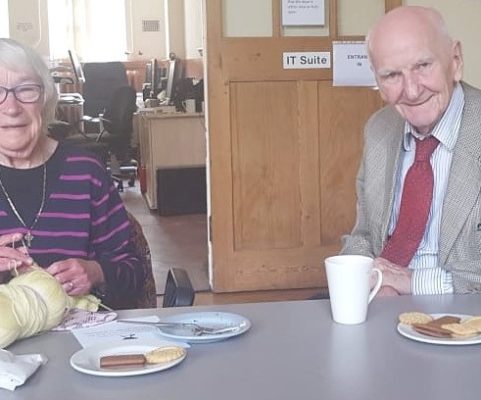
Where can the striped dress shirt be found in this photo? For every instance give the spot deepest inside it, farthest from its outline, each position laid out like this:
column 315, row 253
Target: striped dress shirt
column 428, row 277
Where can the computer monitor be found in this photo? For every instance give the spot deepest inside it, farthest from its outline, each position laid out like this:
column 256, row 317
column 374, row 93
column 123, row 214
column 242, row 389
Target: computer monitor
column 76, row 67
column 172, row 76
column 153, row 79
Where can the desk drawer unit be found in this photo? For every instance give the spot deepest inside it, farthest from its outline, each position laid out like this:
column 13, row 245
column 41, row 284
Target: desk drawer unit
column 181, row 191
column 169, row 141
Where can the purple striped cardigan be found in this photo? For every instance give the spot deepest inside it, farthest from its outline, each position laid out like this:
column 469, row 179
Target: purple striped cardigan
column 84, row 217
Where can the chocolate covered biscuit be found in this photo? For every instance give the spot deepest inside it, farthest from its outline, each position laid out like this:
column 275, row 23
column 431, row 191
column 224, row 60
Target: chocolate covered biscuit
column 432, row 330
column 123, row 360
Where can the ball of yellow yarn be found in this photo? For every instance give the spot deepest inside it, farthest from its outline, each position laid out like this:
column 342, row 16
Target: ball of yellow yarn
column 51, row 292
column 9, row 326
column 34, row 302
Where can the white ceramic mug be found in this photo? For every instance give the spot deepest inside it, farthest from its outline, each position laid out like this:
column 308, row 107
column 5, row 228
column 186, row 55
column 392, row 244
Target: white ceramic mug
column 348, row 278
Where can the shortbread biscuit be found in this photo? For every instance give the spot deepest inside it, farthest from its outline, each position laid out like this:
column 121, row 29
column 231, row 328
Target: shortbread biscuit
column 453, row 335
column 472, row 318
column 164, row 354
column 473, row 323
column 414, row 317
column 462, row 330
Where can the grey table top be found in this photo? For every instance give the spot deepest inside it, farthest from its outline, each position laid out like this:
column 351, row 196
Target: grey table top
column 292, row 351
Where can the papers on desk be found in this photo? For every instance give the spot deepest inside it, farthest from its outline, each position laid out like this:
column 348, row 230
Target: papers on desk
column 159, row 109
column 115, row 331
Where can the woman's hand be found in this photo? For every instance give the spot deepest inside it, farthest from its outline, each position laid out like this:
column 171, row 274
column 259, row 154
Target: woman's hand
column 77, row 276
column 10, row 257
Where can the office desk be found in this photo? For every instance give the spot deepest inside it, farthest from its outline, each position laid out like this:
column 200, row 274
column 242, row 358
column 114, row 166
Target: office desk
column 292, row 351
column 168, row 140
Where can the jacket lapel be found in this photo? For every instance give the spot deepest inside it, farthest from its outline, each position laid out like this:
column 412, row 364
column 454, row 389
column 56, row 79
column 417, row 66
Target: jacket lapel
column 383, row 200
column 392, row 163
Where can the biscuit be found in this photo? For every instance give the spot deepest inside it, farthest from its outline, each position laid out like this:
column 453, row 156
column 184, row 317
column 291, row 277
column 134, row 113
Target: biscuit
column 473, row 323
column 414, row 317
column 462, row 330
column 432, row 330
column 472, row 318
column 447, row 319
column 123, row 360
column 164, row 354
column 453, row 335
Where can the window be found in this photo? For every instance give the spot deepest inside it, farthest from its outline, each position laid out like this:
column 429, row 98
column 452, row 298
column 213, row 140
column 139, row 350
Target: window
column 4, row 26
column 60, row 26
column 96, row 30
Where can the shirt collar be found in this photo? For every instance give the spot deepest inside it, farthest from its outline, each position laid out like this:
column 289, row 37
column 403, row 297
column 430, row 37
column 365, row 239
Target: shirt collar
column 446, row 130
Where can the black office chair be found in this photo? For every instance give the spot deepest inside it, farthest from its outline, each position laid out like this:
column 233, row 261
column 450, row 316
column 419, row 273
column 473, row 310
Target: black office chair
column 114, row 132
column 178, row 289
column 102, row 79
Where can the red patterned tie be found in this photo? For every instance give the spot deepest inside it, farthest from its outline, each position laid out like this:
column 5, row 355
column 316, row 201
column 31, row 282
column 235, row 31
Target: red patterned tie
column 415, row 205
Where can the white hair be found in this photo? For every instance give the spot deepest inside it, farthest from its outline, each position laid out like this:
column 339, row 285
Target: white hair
column 15, row 56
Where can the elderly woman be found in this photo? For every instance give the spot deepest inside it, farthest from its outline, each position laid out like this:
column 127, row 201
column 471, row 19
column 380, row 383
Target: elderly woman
column 58, row 206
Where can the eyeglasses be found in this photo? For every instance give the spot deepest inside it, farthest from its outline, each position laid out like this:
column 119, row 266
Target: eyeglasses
column 28, row 93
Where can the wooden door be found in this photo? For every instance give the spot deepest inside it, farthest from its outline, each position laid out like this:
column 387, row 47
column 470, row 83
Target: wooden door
column 284, row 151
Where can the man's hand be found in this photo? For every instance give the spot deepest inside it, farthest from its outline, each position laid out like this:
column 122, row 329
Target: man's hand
column 387, row 291
column 398, row 278
column 77, row 276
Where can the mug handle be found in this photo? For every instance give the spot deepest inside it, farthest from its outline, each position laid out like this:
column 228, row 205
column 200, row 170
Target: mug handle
column 377, row 286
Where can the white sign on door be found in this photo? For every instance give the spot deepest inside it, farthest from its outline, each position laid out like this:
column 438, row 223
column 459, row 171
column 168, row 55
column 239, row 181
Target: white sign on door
column 306, row 60
column 351, row 65
column 303, row 12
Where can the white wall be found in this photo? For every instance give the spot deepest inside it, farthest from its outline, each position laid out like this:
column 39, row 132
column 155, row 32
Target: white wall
column 4, row 25
column 174, row 11
column 147, row 44
column 462, row 18
column 180, row 23
column 28, row 21
column 193, row 22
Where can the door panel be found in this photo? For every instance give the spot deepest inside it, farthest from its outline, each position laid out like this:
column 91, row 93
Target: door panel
column 265, row 154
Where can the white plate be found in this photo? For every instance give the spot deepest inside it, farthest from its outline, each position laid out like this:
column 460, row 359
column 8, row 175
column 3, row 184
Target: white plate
column 216, row 320
column 88, row 360
column 409, row 332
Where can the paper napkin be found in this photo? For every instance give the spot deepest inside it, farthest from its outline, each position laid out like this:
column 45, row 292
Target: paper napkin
column 15, row 370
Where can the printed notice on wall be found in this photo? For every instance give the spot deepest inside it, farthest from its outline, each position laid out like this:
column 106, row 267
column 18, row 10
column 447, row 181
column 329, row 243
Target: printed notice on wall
column 302, row 12
column 351, row 65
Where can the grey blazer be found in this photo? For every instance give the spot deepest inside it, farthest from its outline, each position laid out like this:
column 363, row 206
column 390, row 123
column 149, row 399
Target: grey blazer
column 460, row 238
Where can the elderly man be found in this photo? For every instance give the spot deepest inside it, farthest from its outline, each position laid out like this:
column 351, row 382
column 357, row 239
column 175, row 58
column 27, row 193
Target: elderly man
column 419, row 184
